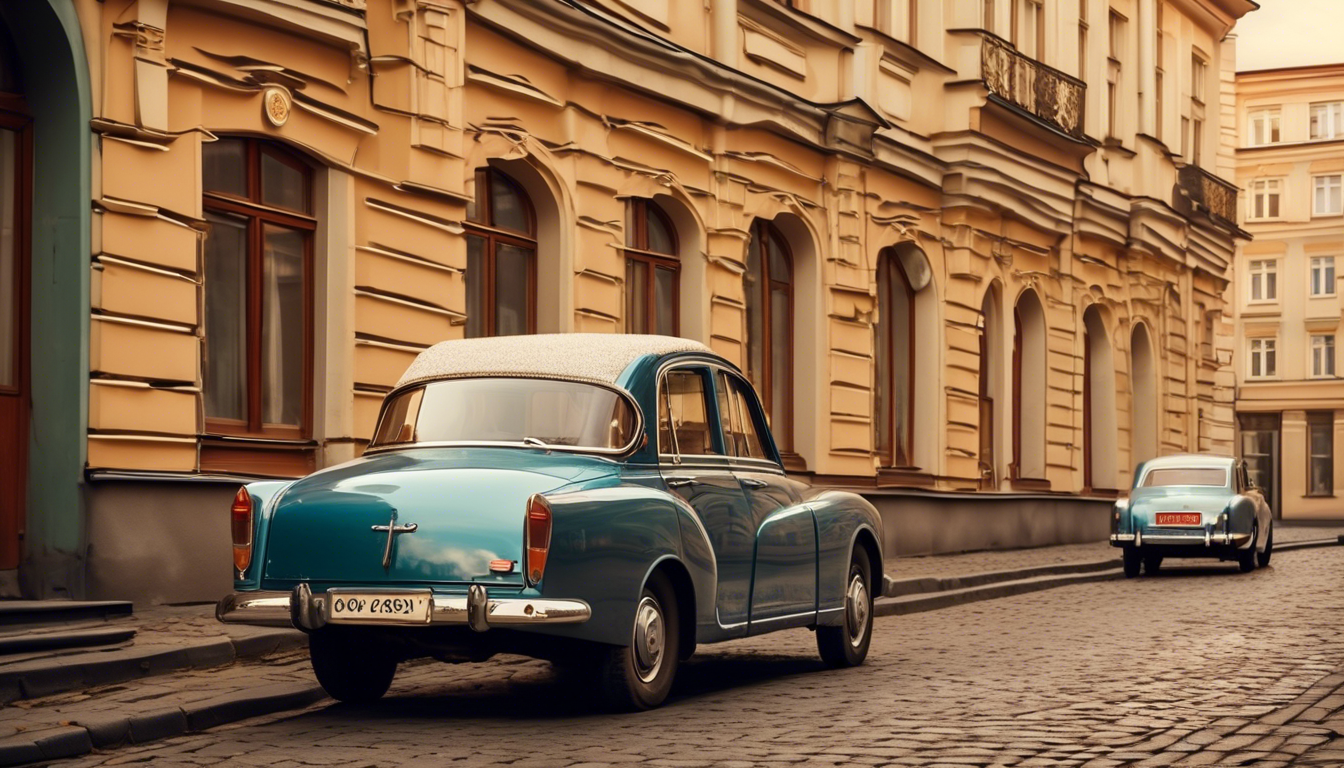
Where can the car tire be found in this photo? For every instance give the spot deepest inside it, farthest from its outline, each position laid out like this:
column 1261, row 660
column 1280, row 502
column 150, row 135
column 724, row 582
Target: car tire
column 1133, row 561
column 847, row 644
column 1246, row 557
column 639, row 676
column 1262, row 558
column 349, row 667
column 1151, row 564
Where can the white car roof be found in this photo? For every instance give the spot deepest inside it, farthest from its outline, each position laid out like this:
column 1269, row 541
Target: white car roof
column 1192, row 460
column 591, row 357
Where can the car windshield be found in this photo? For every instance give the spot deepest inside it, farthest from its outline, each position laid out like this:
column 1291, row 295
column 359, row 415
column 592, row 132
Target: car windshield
column 537, row 412
column 1209, row 476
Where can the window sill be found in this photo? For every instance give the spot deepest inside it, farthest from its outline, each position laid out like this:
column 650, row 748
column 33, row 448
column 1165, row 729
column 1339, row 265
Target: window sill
column 1320, row 496
column 260, row 456
column 1029, row 484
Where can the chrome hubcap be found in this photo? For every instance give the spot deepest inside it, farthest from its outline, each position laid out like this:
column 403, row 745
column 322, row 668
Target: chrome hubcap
column 856, row 605
column 649, row 640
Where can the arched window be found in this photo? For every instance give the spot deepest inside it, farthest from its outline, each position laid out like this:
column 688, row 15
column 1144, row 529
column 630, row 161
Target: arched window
column 991, row 371
column 1144, row 405
column 895, row 362
column 652, row 272
column 1099, row 424
column 501, row 258
column 769, row 333
column 1029, row 389
column 257, row 348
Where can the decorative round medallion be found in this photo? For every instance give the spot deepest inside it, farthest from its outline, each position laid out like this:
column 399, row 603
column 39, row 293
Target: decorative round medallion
column 275, row 103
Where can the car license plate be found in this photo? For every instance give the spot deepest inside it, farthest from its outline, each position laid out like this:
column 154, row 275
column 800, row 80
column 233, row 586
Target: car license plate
column 1180, row 518
column 380, row 607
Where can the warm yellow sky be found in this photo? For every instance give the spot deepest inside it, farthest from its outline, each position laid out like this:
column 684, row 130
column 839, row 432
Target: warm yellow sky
column 1291, row 33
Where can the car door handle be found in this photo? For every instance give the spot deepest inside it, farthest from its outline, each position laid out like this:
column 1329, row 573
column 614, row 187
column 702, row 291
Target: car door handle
column 752, row 482
column 678, row 481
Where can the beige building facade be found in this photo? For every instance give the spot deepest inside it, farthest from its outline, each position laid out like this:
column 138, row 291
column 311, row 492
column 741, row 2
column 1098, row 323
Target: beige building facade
column 972, row 253
column 1286, row 296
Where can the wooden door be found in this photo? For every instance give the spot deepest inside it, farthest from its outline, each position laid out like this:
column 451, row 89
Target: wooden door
column 15, row 185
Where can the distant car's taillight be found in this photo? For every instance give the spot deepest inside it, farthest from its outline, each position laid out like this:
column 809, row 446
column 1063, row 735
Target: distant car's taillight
column 241, row 523
column 537, row 537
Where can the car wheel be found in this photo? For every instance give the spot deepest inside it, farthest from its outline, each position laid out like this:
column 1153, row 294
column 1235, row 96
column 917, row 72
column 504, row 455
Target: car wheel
column 1151, row 563
column 1133, row 560
column 1246, row 557
column 349, row 667
column 847, row 645
column 1262, row 558
column 639, row 676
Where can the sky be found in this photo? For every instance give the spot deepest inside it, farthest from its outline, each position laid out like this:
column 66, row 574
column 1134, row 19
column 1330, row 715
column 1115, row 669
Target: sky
column 1290, row 33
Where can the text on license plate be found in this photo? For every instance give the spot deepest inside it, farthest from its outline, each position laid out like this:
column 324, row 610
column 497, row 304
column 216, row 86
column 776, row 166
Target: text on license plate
column 355, row 607
column 1180, row 518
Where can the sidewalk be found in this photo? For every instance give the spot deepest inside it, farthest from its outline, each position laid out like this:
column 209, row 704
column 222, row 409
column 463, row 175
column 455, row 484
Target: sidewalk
column 185, row 672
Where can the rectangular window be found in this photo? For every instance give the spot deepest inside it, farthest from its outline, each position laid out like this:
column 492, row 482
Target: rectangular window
column 1321, row 449
column 1264, row 126
column 1323, row 356
column 1325, row 193
column 987, row 15
column 258, row 260
column 1264, row 277
column 1265, row 195
column 683, row 415
column 1264, row 362
column 1327, row 120
column 1323, row 276
column 1206, row 335
column 1199, row 74
column 1116, row 42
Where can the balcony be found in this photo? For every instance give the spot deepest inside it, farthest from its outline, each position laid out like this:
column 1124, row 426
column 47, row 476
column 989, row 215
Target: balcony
column 1043, row 92
column 1206, row 191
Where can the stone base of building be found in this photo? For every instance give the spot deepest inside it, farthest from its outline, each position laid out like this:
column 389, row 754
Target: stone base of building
column 923, row 523
column 159, row 541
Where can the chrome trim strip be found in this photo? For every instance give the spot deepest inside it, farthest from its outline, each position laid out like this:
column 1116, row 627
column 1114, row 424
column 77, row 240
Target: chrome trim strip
column 304, row 610
column 1221, row 539
column 1118, row 537
column 784, row 618
column 262, row 609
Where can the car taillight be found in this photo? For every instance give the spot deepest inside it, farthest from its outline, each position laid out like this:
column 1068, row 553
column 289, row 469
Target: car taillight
column 241, row 523
column 537, row 538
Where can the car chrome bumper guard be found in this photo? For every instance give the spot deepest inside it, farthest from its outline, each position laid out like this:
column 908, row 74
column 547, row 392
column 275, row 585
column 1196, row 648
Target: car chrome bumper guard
column 304, row 610
column 1206, row 537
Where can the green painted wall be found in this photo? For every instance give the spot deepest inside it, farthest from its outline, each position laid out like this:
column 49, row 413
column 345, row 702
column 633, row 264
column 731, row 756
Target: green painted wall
column 56, row 74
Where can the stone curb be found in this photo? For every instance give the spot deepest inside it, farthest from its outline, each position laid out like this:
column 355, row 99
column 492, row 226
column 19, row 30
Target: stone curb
column 930, row 594
column 926, row 584
column 918, row 603
column 84, row 735
column 44, row 677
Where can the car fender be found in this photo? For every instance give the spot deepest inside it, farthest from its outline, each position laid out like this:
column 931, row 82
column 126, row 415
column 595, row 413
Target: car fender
column 841, row 518
column 605, row 542
column 265, row 495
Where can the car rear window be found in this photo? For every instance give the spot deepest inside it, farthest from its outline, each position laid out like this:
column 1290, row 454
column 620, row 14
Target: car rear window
column 509, row 410
column 1208, row 476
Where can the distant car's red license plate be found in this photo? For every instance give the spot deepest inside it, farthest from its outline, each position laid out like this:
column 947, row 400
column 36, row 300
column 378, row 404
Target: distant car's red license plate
column 1179, row 518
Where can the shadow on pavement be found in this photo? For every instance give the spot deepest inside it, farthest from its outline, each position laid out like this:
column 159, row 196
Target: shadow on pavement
column 532, row 692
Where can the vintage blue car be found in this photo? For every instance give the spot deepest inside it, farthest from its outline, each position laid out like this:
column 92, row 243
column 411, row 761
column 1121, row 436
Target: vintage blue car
column 605, row 502
column 1193, row 506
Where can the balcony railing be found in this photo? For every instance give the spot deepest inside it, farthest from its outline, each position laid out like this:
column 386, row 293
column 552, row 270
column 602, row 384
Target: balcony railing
column 1043, row 91
column 1216, row 196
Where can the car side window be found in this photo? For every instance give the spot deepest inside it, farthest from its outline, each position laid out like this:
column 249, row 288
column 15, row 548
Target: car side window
column 683, row 414
column 740, row 435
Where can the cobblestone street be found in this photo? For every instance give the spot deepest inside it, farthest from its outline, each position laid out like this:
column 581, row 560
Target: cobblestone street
column 1197, row 666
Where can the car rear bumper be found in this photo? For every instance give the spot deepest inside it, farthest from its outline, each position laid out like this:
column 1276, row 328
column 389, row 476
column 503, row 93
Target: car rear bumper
column 304, row 610
column 1203, row 538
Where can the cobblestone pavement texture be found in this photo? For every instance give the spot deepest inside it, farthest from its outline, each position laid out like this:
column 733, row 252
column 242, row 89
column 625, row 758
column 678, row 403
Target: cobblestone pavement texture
column 1006, row 560
column 1198, row 665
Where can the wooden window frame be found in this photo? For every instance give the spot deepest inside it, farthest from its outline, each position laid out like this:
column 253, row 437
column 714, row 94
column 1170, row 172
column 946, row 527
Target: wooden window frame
column 483, row 226
column 763, row 229
column 1319, row 420
column 891, row 454
column 14, row 116
column 1319, row 264
column 258, row 215
column 638, row 211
